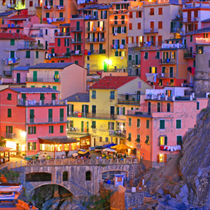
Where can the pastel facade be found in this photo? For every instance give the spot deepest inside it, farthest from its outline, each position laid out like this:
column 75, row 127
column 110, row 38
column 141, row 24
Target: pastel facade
column 158, row 128
column 68, row 78
column 28, row 114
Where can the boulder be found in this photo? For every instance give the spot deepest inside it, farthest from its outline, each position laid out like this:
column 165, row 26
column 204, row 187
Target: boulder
column 49, row 203
column 65, row 204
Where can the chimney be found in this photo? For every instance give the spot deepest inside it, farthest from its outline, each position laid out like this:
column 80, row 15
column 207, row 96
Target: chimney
column 77, row 98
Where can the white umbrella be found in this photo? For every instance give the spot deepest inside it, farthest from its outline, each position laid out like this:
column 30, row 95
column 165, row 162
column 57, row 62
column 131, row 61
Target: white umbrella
column 75, row 155
column 109, row 150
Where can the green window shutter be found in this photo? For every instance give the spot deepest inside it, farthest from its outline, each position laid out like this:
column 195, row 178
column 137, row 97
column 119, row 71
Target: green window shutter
column 50, row 114
column 158, row 55
column 35, row 130
column 61, row 14
column 34, row 145
column 119, row 30
column 113, row 125
column 61, row 114
column 125, row 29
column 116, row 53
column 37, row 54
column 61, row 2
column 118, row 110
column 112, row 30
column 12, row 42
column 138, row 123
column 166, row 140
column 101, row 14
column 52, row 129
column 105, row 14
column 130, row 57
column 150, row 69
column 87, row 126
column 28, row 54
column 9, row 96
column 12, row 54
column 123, row 110
column 32, row 113
column 179, row 140
column 9, row 113
column 61, row 128
column 59, row 42
column 147, row 124
column 129, row 120
column 178, row 124
column 109, row 125
column 198, row 105
column 162, row 124
column 42, row 96
column 191, row 38
column 29, row 129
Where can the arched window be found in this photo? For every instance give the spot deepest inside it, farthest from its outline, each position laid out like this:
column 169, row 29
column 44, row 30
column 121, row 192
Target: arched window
column 65, row 176
column 88, row 175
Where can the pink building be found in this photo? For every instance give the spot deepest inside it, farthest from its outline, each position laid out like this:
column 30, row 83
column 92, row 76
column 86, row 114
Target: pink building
column 33, row 120
column 19, row 23
column 157, row 129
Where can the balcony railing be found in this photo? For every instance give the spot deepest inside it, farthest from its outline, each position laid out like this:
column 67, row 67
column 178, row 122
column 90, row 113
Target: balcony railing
column 76, row 40
column 37, row 35
column 74, row 29
column 62, row 34
column 50, row 7
column 118, row 22
column 12, row 26
column 189, row 55
column 76, row 52
column 60, row 55
column 96, row 52
column 97, row 29
column 77, row 130
column 33, row 102
column 173, row 46
column 165, row 75
column 150, row 30
column 203, row 41
column 192, row 19
column 115, row 46
column 95, row 40
column 31, row 79
column 7, row 73
column 120, row 11
column 60, row 19
column 9, row 135
column 59, row 7
column 37, row 5
column 46, row 120
column 86, row 17
column 167, row 61
column 31, row 47
column 176, row 30
column 136, row 62
column 10, row 61
column 118, row 133
column 121, row 101
column 92, row 115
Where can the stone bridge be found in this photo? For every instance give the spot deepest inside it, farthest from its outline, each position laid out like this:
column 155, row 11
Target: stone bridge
column 80, row 177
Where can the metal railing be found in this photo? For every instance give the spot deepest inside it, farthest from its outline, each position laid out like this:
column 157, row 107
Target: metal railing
column 176, row 30
column 31, row 79
column 62, row 34
column 22, row 102
column 150, row 30
column 86, row 17
column 76, row 52
column 117, row 133
column 189, row 55
column 96, row 40
column 76, row 40
column 73, row 29
column 60, row 55
column 202, row 40
column 119, row 22
column 101, row 116
column 48, row 7
column 59, row 7
column 165, row 75
column 9, row 135
column 121, row 101
column 192, row 19
column 31, row 46
column 95, row 29
column 115, row 46
column 77, row 130
column 168, row 61
column 135, row 62
column 120, row 11
column 11, row 25
column 36, row 120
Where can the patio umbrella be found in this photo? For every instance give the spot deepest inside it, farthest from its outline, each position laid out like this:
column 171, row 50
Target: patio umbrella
column 121, row 147
column 108, row 150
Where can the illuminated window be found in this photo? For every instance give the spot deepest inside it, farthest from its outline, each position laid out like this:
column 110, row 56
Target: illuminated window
column 66, row 147
column 161, row 158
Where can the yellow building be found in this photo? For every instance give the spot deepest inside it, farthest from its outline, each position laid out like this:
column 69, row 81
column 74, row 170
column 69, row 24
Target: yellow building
column 99, row 117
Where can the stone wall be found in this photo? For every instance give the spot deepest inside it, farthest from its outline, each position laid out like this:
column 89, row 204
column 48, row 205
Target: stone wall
column 77, row 183
column 134, row 200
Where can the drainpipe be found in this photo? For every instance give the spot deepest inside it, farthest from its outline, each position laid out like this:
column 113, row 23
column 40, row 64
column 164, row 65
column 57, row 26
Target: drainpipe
column 151, row 143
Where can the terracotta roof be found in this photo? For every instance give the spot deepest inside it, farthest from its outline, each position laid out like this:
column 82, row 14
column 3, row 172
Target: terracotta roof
column 111, row 82
column 15, row 36
column 20, row 17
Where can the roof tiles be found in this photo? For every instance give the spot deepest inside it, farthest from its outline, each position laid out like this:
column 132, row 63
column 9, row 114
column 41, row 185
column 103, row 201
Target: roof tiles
column 15, row 36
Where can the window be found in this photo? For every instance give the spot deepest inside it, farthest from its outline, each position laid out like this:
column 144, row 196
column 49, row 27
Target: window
column 179, row 140
column 32, row 130
column 30, row 3
column 138, row 138
column 147, row 140
column 198, row 105
column 61, row 128
column 88, row 176
column 32, row 146
column 111, row 125
column 9, row 113
column 47, row 14
column 130, row 26
column 139, row 25
column 163, row 140
column 178, row 124
column 12, row 42
column 37, row 54
column 138, row 14
column 59, row 42
column 129, row 121
column 9, row 96
column 51, row 129
column 158, row 55
column 151, row 11
column 191, row 38
column 130, row 57
column 138, row 123
column 160, row 24
column 158, row 107
column 160, row 11
column 168, row 107
column 61, row 14
column 93, row 124
column 12, row 54
column 93, row 94
column 153, row 70
column 129, row 137
column 100, row 139
column 123, row 110
column 146, row 55
column 65, row 176
column 162, row 124
column 147, row 124
column 130, row 14
column 200, row 49
column 111, row 94
column 28, row 54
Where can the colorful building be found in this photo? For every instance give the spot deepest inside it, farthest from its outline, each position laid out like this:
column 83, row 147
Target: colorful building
column 101, row 113
column 68, row 78
column 31, row 115
column 156, row 130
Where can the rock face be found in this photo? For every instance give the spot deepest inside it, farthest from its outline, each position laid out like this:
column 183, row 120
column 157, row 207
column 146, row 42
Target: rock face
column 194, row 165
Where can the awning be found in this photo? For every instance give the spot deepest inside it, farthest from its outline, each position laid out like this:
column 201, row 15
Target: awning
column 64, row 140
column 5, row 149
column 78, row 136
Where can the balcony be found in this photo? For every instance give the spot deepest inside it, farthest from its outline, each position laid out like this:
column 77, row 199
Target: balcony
column 150, row 30
column 132, row 102
column 31, row 47
column 136, row 45
column 76, row 29
column 97, row 52
column 11, row 61
column 97, row 29
column 167, row 61
column 173, row 46
column 60, row 55
column 136, row 62
column 31, row 79
column 115, row 46
column 9, row 135
column 189, row 55
column 37, row 35
column 12, row 25
column 203, row 41
column 76, row 52
column 62, row 34
column 190, row 20
column 176, row 30
column 86, row 17
column 88, row 40
column 50, row 7
column 46, row 120
column 38, row 5
column 33, row 102
column 7, row 73
column 59, row 7
column 60, row 19
column 117, row 133
column 11, row 6
column 76, row 41
column 77, row 130
column 101, row 116
column 118, row 12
